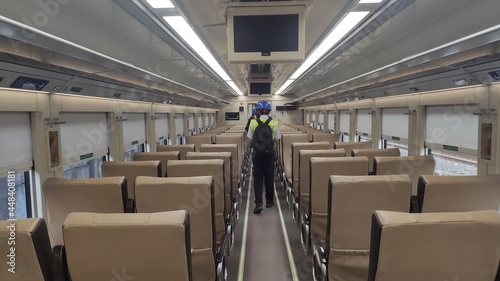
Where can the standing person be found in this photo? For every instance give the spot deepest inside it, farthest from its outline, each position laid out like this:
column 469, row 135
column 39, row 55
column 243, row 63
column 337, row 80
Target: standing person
column 255, row 115
column 263, row 132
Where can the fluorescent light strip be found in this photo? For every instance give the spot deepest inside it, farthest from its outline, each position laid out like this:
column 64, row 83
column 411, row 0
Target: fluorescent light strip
column 183, row 29
column 160, row 4
column 370, row 1
column 351, row 20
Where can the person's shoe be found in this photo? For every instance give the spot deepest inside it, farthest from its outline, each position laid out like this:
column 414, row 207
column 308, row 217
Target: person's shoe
column 269, row 204
column 258, row 209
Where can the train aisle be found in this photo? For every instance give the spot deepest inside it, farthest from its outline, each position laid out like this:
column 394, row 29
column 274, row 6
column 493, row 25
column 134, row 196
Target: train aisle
column 262, row 250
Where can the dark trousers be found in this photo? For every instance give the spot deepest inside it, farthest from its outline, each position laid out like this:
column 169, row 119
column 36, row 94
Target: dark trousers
column 263, row 174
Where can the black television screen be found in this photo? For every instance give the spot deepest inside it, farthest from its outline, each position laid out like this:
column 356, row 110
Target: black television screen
column 260, row 88
column 266, row 33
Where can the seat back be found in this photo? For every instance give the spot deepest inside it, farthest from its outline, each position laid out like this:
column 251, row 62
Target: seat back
column 458, row 193
column 233, row 148
column 229, row 192
column 194, row 194
column 233, row 139
column 182, row 148
column 349, row 146
column 31, row 259
column 163, row 157
column 286, row 142
column 321, row 170
column 198, row 140
column 145, row 246
column 131, row 170
column 305, row 172
column 330, row 138
column 353, row 199
column 413, row 166
column 214, row 168
column 64, row 196
column 296, row 148
column 371, row 153
column 434, row 246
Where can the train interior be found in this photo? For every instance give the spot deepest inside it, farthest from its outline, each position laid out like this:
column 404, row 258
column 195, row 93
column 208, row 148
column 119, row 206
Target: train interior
column 124, row 154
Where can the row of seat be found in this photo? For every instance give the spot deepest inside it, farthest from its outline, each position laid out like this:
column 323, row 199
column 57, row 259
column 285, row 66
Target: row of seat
column 308, row 194
column 146, row 246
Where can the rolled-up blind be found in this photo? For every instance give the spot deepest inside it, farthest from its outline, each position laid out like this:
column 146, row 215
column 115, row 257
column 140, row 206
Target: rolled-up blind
column 364, row 121
column 83, row 136
column 15, row 141
column 452, row 125
column 179, row 124
column 395, row 122
column 161, row 126
column 345, row 119
column 134, row 129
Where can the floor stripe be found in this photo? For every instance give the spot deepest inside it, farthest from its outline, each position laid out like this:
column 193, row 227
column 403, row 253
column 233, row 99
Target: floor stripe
column 241, row 268
column 287, row 241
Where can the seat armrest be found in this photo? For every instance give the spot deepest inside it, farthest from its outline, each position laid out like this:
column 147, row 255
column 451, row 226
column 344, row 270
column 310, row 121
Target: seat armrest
column 320, row 249
column 59, row 264
column 130, row 207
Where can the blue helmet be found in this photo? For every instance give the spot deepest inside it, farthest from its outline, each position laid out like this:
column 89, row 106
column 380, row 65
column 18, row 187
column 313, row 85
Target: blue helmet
column 254, row 110
column 263, row 104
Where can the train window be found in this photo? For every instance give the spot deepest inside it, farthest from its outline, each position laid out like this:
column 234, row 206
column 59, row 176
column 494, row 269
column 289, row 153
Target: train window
column 89, row 168
column 179, row 124
column 128, row 154
column 364, row 124
column 451, row 136
column 15, row 199
column 83, row 136
column 450, row 162
column 396, row 143
column 191, row 122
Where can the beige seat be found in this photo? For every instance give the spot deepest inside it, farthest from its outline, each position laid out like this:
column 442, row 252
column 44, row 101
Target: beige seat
column 33, row 254
column 371, row 153
column 304, row 189
column 233, row 148
column 146, row 246
column 413, row 166
column 131, row 170
column 292, row 192
column 233, row 139
column 198, row 140
column 434, row 246
column 214, row 168
column 331, row 138
column 64, row 196
column 194, row 194
column 229, row 192
column 353, row 199
column 349, row 146
column 182, row 148
column 286, row 142
column 163, row 157
column 321, row 170
column 458, row 193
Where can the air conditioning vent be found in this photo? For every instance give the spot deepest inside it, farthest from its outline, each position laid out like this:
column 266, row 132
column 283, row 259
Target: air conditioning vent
column 76, row 89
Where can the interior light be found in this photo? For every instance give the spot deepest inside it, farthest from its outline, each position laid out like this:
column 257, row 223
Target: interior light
column 184, row 30
column 160, row 4
column 369, row 1
column 461, row 82
column 284, row 86
column 351, row 20
column 234, row 87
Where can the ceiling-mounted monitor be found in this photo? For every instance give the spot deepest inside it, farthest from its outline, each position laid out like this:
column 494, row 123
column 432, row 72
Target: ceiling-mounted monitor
column 260, row 88
column 266, row 34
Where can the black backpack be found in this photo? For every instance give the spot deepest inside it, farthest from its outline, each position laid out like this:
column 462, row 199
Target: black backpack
column 262, row 140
